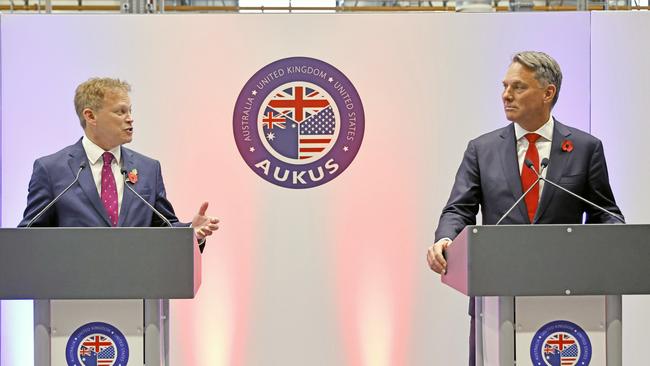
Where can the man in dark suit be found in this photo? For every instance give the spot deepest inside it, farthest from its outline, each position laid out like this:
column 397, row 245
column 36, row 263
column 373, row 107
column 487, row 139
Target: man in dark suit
column 493, row 173
column 100, row 198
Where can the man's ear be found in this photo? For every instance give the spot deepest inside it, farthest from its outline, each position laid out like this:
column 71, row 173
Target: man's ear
column 89, row 116
column 549, row 93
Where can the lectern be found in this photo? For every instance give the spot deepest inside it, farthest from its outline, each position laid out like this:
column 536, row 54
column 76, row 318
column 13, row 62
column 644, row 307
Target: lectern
column 549, row 294
column 101, row 294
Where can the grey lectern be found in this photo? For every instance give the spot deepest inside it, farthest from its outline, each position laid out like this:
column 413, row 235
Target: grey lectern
column 528, row 279
column 68, row 270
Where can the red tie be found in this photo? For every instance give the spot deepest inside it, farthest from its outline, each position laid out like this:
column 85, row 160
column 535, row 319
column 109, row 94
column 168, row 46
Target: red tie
column 109, row 190
column 528, row 177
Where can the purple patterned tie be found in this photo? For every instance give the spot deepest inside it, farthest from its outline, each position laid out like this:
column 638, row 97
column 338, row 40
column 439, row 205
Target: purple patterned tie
column 109, row 191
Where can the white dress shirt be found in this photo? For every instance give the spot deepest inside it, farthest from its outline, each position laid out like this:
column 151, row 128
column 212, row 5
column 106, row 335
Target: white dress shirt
column 94, row 154
column 543, row 145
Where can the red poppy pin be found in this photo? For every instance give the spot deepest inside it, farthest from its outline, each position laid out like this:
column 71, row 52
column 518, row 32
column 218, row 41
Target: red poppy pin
column 133, row 176
column 567, row 145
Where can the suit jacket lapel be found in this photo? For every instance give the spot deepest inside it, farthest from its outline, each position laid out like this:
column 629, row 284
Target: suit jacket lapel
column 510, row 165
column 86, row 181
column 558, row 161
column 127, row 196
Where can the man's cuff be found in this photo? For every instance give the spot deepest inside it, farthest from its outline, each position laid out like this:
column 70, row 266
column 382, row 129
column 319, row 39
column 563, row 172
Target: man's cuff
column 449, row 240
column 202, row 244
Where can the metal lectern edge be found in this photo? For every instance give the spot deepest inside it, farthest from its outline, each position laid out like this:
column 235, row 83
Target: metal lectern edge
column 458, row 263
column 550, row 260
column 98, row 263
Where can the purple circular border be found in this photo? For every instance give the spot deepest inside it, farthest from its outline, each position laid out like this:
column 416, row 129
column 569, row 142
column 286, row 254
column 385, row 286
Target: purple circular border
column 71, row 356
column 344, row 159
column 560, row 326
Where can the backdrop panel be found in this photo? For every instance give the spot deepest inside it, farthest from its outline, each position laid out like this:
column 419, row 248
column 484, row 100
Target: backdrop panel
column 333, row 275
column 620, row 81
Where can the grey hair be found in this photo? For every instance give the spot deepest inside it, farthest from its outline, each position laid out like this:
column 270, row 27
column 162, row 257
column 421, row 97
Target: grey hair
column 546, row 69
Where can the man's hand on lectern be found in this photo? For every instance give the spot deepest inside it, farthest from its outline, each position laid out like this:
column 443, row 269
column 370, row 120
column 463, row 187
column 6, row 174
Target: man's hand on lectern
column 435, row 256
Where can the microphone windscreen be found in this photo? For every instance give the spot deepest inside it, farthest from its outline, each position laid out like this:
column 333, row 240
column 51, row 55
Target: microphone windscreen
column 544, row 163
column 528, row 163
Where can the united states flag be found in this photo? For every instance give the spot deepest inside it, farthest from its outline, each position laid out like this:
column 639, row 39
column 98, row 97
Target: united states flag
column 106, row 357
column 570, row 355
column 316, row 133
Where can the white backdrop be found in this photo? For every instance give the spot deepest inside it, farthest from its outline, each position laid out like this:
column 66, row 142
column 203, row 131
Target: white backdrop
column 620, row 82
column 334, row 275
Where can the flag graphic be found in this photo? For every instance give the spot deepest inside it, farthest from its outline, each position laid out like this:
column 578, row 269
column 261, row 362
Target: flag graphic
column 283, row 140
column 299, row 139
column 271, row 120
column 97, row 350
column 316, row 134
column 561, row 349
column 298, row 102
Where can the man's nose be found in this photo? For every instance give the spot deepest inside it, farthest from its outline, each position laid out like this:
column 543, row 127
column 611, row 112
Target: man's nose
column 507, row 94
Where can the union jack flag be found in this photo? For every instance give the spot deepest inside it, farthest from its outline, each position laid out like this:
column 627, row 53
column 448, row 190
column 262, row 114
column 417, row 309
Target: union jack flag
column 271, row 118
column 298, row 102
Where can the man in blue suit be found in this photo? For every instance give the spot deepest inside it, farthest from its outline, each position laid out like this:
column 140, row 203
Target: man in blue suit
column 493, row 173
column 104, row 166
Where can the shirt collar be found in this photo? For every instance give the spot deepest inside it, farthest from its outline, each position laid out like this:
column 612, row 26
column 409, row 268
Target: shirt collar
column 545, row 131
column 94, row 152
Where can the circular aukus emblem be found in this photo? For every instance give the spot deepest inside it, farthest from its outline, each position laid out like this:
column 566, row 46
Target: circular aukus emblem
column 560, row 343
column 97, row 344
column 298, row 122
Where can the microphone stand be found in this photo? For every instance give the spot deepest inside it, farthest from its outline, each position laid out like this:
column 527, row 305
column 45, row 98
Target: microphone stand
column 126, row 184
column 44, row 210
column 539, row 177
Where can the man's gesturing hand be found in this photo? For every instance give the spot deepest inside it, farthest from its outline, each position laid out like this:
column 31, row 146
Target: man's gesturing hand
column 204, row 225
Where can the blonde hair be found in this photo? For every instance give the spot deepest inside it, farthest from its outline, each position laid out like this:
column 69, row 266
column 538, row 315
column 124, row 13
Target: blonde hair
column 91, row 93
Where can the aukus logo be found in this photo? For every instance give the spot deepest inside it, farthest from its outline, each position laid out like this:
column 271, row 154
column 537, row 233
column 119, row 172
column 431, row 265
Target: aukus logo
column 298, row 122
column 97, row 344
column 560, row 343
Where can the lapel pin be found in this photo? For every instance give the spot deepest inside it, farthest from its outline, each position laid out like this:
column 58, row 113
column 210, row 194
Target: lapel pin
column 133, row 176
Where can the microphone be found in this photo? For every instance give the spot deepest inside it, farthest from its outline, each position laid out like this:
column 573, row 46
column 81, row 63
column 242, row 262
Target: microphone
column 124, row 175
column 529, row 164
column 539, row 177
column 76, row 179
column 542, row 165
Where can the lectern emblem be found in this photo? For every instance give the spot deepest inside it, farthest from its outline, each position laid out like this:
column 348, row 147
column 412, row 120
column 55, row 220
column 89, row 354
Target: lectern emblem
column 298, row 122
column 560, row 343
column 97, row 344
